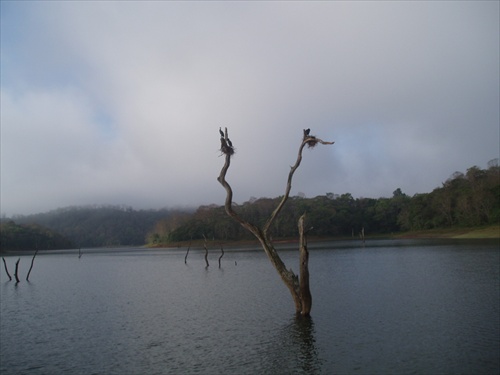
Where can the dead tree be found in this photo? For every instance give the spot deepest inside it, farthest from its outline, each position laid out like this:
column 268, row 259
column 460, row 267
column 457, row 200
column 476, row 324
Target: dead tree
column 6, row 269
column 16, row 271
column 298, row 287
column 206, row 251
column 31, row 267
column 222, row 254
column 187, row 253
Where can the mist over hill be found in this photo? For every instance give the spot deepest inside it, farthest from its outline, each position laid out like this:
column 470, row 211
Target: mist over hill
column 96, row 226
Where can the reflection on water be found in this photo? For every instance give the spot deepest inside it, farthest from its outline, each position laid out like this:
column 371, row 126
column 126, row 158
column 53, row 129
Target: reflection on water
column 390, row 307
column 292, row 350
column 301, row 333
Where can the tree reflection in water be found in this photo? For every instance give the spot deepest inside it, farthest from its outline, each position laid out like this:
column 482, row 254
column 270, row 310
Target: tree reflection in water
column 303, row 330
column 293, row 351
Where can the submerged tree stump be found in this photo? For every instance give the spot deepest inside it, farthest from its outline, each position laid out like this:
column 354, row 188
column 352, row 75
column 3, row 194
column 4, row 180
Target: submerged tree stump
column 31, row 267
column 222, row 250
column 16, row 271
column 187, row 253
column 206, row 251
column 6, row 269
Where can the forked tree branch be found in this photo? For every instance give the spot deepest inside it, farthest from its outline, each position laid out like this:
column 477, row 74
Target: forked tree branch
column 228, row 150
column 311, row 141
column 298, row 288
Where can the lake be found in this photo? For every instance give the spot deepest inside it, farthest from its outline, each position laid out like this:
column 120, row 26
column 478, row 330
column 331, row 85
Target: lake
column 389, row 307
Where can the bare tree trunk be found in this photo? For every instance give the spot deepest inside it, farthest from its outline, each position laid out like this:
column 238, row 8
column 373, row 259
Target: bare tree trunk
column 206, row 251
column 16, row 271
column 6, row 270
column 305, row 292
column 300, row 292
column 187, row 253
column 32, row 261
column 222, row 250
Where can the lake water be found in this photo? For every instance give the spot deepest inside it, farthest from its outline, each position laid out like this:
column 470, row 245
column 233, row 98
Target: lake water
column 390, row 307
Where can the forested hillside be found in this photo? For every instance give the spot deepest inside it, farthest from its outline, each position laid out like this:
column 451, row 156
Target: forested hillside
column 470, row 199
column 465, row 200
column 98, row 226
column 30, row 237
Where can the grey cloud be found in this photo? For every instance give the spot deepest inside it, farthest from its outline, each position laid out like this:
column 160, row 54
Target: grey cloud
column 408, row 90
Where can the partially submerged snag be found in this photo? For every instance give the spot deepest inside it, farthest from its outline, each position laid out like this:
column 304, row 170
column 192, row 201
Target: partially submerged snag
column 16, row 271
column 187, row 253
column 206, row 251
column 31, row 267
column 222, row 254
column 298, row 286
column 6, row 269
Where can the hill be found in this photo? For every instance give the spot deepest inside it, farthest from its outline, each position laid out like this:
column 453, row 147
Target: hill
column 99, row 226
column 30, row 237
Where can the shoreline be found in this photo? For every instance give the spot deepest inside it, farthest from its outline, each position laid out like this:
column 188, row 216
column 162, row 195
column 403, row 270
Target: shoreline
column 489, row 232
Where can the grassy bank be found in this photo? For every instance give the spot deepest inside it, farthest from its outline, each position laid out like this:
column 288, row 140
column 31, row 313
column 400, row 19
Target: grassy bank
column 492, row 231
column 488, row 232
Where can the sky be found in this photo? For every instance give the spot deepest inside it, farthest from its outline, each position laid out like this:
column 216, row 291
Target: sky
column 121, row 102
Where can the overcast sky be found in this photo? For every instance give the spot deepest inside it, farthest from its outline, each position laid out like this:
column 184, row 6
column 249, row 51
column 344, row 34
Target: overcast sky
column 121, row 102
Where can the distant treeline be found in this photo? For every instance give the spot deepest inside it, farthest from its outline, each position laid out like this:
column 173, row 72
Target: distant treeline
column 30, row 237
column 464, row 200
column 99, row 225
column 468, row 200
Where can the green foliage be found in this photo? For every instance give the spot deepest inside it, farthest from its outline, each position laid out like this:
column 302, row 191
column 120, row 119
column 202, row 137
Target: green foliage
column 466, row 200
column 327, row 215
column 472, row 199
column 30, row 237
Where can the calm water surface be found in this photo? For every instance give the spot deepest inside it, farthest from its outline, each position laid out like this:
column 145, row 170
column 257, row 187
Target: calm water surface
column 389, row 307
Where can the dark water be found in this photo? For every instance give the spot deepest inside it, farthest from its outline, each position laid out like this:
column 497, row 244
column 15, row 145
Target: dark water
column 395, row 307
